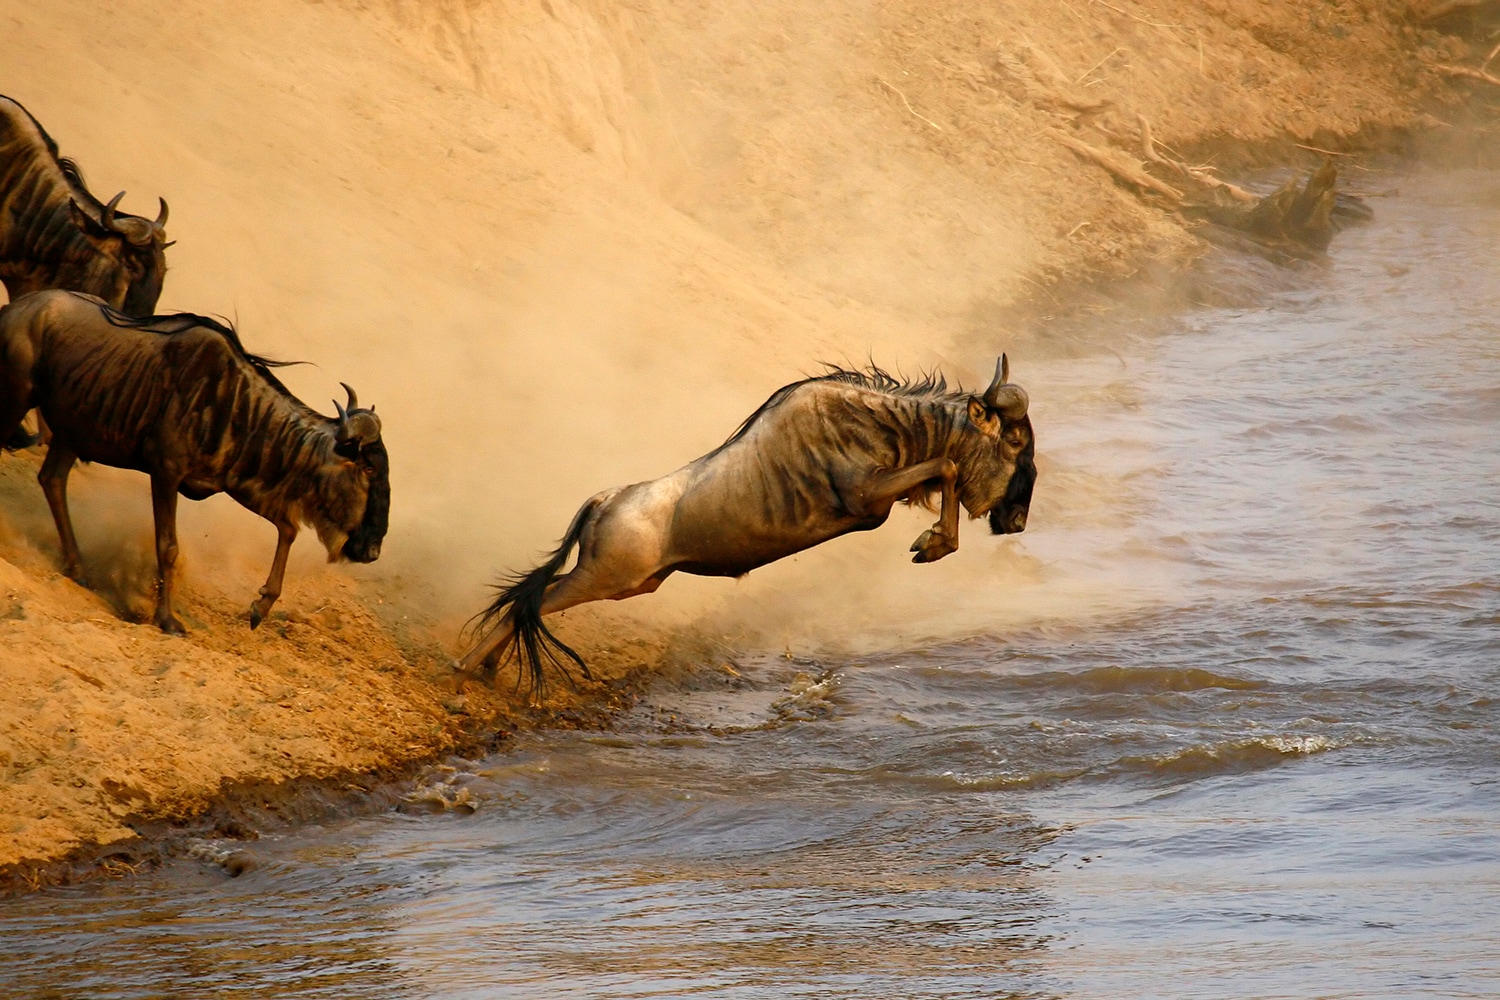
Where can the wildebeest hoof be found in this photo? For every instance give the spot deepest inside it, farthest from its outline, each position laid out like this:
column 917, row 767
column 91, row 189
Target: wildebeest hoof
column 460, row 676
column 20, row 439
column 931, row 546
column 171, row 625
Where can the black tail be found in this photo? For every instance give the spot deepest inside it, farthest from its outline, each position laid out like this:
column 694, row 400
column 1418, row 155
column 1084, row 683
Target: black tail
column 519, row 602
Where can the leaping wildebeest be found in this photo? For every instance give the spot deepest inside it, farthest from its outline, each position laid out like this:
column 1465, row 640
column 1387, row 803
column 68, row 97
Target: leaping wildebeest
column 820, row 458
column 55, row 234
column 180, row 399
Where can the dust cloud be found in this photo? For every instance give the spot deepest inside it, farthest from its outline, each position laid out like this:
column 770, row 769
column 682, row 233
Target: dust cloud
column 472, row 243
column 564, row 245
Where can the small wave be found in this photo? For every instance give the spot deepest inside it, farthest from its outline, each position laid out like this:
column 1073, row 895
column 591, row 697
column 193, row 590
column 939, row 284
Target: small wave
column 1140, row 680
column 1230, row 757
column 807, row 699
column 443, row 790
column 952, row 781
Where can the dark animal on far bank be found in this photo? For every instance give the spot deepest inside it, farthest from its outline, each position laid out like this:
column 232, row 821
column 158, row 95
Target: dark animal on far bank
column 55, row 234
column 180, row 399
column 821, row 458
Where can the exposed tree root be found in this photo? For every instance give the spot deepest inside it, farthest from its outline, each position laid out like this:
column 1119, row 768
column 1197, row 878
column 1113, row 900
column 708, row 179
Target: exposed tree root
column 1303, row 213
column 1122, row 167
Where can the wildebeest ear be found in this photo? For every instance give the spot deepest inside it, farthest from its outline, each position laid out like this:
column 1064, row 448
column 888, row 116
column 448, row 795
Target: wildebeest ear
column 983, row 417
column 84, row 221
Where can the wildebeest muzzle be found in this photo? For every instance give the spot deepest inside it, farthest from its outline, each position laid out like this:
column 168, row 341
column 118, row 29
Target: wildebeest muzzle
column 358, row 437
column 1008, row 517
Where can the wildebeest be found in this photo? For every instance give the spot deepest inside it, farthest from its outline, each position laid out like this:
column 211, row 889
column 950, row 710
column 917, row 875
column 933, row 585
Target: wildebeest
column 820, row 458
column 55, row 234
column 179, row 398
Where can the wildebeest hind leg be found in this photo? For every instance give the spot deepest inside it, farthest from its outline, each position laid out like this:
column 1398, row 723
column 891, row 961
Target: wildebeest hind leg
column 563, row 593
column 13, row 406
column 569, row 590
column 54, row 479
column 582, row 587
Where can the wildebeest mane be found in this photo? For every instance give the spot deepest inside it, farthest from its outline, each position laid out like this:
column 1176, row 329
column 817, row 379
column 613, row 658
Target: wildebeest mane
column 71, row 171
column 168, row 324
column 48, row 141
column 929, row 386
column 74, row 176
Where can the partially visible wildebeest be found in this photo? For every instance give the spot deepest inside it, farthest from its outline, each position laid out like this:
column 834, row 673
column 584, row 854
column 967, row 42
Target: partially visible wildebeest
column 821, row 458
column 179, row 398
column 55, row 234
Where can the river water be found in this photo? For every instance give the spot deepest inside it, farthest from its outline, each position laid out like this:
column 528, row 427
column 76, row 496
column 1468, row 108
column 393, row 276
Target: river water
column 1275, row 772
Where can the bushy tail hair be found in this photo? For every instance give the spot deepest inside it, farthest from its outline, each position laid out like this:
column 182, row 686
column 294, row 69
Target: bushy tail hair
column 519, row 602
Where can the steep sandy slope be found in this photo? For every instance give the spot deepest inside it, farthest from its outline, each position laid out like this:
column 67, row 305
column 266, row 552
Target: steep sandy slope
column 563, row 245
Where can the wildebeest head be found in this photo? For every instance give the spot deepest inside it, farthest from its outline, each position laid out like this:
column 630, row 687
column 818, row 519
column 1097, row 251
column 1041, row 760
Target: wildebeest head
column 999, row 471
column 366, row 469
column 135, row 246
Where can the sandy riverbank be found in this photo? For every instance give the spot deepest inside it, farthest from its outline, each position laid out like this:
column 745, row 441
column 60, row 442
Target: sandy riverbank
column 561, row 245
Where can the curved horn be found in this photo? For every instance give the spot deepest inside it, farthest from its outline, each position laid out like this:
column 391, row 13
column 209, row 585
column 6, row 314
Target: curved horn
column 107, row 215
column 161, row 218
column 1002, row 375
column 137, row 231
column 1010, row 400
column 353, row 399
column 343, row 419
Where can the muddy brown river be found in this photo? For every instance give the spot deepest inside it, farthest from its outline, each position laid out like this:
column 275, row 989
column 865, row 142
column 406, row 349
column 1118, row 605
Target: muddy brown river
column 1257, row 756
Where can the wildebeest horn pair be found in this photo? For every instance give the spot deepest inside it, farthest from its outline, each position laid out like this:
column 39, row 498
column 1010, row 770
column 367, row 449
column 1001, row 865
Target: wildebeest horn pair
column 365, row 425
column 1010, row 400
column 137, row 231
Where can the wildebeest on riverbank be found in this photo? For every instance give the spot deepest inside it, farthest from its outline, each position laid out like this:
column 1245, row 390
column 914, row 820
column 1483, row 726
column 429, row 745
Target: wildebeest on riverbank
column 55, row 234
column 820, row 458
column 179, row 398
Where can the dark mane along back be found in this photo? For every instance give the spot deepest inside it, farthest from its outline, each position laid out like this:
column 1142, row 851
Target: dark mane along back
column 69, row 168
column 174, row 323
column 74, row 175
column 47, row 140
column 931, row 385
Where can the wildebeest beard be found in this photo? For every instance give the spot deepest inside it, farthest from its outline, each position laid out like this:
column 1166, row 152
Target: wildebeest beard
column 363, row 543
column 1008, row 517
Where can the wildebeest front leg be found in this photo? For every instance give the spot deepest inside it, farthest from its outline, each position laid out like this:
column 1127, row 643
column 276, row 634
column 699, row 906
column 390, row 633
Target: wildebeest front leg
column 164, row 510
column 285, row 535
column 54, row 479
column 885, row 488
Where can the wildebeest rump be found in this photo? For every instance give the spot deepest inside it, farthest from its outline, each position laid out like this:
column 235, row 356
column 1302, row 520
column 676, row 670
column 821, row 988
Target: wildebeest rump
column 821, row 458
column 179, row 398
column 55, row 234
